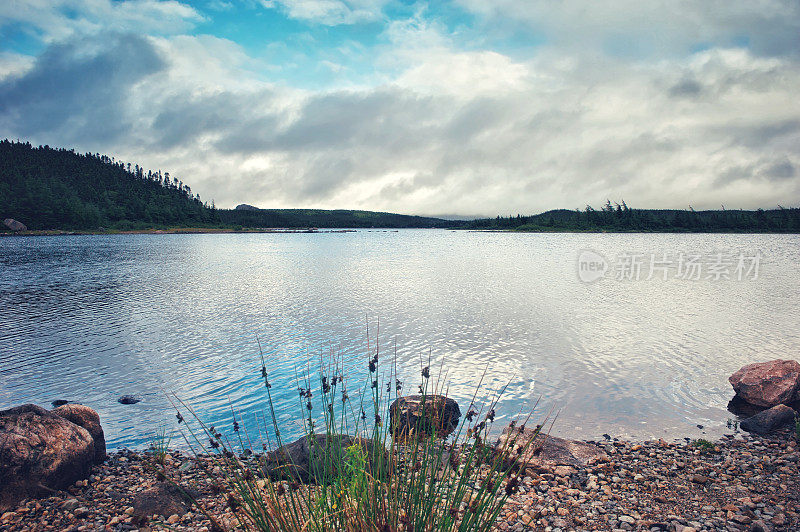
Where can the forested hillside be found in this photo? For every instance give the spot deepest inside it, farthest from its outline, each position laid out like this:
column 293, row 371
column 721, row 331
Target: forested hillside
column 248, row 216
column 621, row 218
column 47, row 188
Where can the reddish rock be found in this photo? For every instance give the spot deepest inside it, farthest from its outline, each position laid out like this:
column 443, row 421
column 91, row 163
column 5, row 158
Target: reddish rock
column 85, row 417
column 767, row 383
column 164, row 499
column 428, row 414
column 40, row 452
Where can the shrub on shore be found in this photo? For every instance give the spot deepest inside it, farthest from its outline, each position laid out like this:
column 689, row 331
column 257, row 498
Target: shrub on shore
column 382, row 478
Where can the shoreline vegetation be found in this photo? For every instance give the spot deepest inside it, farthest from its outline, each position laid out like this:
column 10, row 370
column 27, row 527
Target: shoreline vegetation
column 49, row 191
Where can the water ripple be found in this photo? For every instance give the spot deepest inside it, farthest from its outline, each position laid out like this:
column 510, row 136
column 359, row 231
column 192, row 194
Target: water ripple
column 90, row 318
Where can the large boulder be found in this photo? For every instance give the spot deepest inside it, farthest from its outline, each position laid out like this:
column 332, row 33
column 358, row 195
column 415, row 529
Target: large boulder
column 40, row 452
column 85, row 417
column 767, row 383
column 540, row 450
column 429, row 414
column 769, row 420
column 14, row 225
column 308, row 458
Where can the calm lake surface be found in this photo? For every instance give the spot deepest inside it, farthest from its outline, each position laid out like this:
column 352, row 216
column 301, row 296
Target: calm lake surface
column 90, row 318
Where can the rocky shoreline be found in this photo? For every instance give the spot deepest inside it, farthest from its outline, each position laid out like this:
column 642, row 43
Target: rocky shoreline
column 741, row 483
column 55, row 473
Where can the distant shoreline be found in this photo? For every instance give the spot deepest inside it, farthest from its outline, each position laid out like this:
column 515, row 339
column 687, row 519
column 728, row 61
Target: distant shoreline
column 173, row 231
column 221, row 230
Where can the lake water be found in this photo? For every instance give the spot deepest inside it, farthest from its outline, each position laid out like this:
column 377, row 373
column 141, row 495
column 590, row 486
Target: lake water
column 90, row 318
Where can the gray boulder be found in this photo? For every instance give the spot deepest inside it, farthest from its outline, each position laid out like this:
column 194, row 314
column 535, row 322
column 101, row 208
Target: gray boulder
column 769, row 420
column 40, row 453
column 14, row 225
column 429, row 414
column 540, row 450
column 308, row 458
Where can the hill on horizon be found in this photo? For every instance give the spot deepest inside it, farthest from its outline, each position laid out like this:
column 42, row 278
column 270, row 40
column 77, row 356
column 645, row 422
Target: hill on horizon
column 248, row 216
column 49, row 188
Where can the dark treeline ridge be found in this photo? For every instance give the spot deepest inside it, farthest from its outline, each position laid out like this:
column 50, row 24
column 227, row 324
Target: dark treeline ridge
column 621, row 218
column 48, row 188
column 296, row 218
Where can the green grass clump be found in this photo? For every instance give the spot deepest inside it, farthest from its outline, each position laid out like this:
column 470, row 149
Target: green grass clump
column 376, row 479
column 703, row 445
column 159, row 445
column 797, row 427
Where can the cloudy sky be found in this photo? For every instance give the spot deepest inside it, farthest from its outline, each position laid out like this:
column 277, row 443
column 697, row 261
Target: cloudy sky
column 470, row 107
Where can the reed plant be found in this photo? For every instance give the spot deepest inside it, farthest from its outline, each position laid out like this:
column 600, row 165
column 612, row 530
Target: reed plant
column 159, row 445
column 365, row 471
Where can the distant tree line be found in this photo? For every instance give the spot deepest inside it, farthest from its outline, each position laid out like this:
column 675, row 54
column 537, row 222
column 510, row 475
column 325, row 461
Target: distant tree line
column 48, row 188
column 297, row 218
column 621, row 218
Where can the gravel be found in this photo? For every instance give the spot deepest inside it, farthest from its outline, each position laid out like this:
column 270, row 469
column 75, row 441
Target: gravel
column 739, row 483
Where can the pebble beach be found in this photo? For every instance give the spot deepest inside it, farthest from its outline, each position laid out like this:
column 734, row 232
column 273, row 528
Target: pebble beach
column 739, row 483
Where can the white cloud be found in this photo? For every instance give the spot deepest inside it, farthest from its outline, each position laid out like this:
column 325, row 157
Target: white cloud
column 330, row 12
column 651, row 28
column 12, row 64
column 54, row 20
column 444, row 130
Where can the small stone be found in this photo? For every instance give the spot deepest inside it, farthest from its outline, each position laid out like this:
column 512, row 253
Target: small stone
column 70, row 505
column 128, row 400
column 173, row 519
